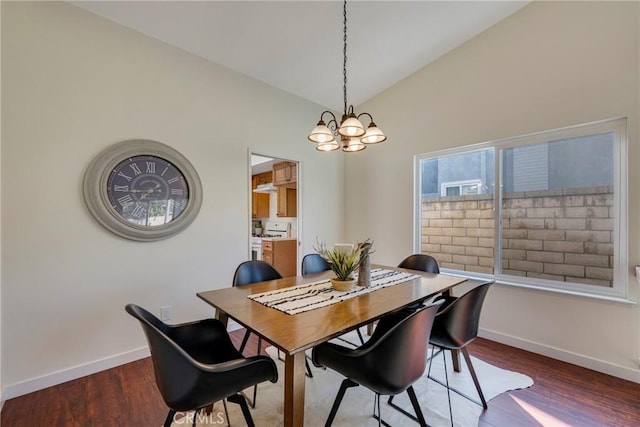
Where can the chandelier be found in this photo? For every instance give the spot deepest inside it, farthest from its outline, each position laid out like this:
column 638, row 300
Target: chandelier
column 351, row 132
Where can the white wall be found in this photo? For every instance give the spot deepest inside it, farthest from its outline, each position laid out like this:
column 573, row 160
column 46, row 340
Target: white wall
column 75, row 84
column 549, row 65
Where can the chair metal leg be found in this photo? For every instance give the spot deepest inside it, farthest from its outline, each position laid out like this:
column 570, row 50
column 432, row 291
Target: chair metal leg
column 226, row 412
column 446, row 377
column 416, row 407
column 195, row 417
column 244, row 341
column 169, row 420
column 377, row 403
column 467, row 358
column 252, row 401
column 336, row 404
column 240, row 400
column 466, row 396
column 419, row 416
column 308, row 368
column 360, row 335
column 377, row 412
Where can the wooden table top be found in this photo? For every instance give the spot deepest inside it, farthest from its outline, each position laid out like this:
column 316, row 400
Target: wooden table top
column 299, row 332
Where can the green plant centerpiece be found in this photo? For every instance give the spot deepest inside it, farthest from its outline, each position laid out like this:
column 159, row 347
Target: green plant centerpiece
column 344, row 260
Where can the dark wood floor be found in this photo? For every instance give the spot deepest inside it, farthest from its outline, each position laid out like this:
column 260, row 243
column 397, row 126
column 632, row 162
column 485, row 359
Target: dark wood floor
column 563, row 395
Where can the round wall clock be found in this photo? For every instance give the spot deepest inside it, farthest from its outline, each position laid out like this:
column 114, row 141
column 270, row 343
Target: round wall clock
column 142, row 190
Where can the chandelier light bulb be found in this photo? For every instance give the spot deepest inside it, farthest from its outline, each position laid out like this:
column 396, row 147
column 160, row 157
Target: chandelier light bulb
column 327, row 146
column 351, row 145
column 321, row 133
column 373, row 135
column 351, row 127
column 323, row 138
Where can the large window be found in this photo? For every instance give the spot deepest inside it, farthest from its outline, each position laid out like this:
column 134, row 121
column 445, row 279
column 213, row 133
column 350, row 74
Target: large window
column 543, row 210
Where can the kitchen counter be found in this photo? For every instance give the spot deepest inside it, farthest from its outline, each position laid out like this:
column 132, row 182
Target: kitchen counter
column 281, row 253
column 278, row 238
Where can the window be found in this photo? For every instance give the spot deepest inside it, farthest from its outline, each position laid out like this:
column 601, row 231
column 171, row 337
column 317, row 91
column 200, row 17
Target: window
column 462, row 188
column 544, row 210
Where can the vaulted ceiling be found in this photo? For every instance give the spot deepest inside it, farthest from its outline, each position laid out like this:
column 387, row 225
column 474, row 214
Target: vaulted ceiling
column 297, row 46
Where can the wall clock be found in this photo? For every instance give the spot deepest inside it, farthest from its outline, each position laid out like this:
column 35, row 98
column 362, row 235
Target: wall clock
column 142, row 190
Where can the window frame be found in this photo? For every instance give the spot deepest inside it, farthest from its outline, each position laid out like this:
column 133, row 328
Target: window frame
column 619, row 291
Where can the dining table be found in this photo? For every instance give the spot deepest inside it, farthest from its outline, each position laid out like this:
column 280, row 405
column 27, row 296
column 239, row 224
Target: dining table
column 293, row 334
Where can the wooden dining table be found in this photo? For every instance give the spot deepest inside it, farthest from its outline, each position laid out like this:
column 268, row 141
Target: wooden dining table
column 293, row 334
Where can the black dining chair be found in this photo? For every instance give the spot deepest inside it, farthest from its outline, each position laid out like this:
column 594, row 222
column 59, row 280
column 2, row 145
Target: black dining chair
column 388, row 363
column 195, row 364
column 454, row 328
column 314, row 263
column 420, row 262
column 247, row 273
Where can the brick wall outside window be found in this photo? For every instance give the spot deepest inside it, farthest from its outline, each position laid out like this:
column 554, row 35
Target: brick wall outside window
column 564, row 235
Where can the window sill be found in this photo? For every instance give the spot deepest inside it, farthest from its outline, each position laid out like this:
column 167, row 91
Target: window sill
column 506, row 282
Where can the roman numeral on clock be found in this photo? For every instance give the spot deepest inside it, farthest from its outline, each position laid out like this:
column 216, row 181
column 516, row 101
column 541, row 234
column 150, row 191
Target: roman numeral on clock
column 138, row 211
column 136, row 169
column 125, row 201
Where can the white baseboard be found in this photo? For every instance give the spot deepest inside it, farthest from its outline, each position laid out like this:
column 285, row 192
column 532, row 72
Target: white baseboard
column 602, row 366
column 64, row 375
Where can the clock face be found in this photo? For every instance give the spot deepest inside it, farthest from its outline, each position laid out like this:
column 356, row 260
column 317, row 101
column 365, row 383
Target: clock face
column 147, row 190
column 142, row 190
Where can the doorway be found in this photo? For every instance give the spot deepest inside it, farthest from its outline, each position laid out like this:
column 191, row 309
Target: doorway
column 274, row 206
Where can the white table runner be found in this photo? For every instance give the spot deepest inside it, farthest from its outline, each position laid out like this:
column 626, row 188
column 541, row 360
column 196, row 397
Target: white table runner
column 301, row 298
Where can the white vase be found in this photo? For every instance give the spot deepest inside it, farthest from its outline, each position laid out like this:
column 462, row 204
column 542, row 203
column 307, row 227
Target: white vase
column 342, row 285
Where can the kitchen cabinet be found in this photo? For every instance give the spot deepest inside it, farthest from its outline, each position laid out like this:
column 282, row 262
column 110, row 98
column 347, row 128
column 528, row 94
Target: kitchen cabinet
column 264, row 178
column 282, row 255
column 285, row 173
column 287, row 202
column 260, row 201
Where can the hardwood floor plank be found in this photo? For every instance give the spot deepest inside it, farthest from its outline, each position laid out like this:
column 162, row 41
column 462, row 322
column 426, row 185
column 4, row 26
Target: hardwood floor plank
column 562, row 395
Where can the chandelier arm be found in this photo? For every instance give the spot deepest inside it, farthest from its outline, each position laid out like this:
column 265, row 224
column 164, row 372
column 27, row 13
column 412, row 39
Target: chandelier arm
column 366, row 114
column 331, row 124
column 333, row 117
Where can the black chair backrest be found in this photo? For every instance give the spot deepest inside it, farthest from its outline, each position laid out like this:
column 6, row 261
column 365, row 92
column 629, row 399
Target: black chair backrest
column 392, row 360
column 460, row 319
column 314, row 263
column 420, row 262
column 174, row 369
column 253, row 272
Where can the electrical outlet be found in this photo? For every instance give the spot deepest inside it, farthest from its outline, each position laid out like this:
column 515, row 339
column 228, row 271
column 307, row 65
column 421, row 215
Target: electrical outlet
column 165, row 313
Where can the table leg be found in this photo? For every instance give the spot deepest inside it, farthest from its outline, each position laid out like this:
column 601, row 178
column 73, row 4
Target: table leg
column 455, row 354
column 294, row 378
column 222, row 316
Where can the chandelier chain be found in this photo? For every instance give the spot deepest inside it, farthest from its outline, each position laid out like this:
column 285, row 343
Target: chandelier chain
column 350, row 130
column 344, row 64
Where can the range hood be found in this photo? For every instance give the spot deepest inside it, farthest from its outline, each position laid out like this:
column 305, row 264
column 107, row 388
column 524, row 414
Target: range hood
column 265, row 188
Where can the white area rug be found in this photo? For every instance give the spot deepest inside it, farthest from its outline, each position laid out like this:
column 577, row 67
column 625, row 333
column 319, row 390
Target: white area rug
column 357, row 406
